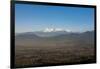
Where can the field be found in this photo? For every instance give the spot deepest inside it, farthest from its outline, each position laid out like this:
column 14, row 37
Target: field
column 54, row 51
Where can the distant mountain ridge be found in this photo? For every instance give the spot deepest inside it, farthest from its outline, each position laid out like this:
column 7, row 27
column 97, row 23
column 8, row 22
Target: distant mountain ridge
column 31, row 38
column 30, row 35
column 44, row 34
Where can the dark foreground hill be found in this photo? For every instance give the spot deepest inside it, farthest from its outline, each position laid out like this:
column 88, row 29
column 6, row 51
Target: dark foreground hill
column 70, row 48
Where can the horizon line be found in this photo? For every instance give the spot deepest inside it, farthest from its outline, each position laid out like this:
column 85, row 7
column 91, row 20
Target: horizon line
column 54, row 31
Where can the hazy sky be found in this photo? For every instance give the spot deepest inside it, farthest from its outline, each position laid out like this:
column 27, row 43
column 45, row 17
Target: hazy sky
column 30, row 18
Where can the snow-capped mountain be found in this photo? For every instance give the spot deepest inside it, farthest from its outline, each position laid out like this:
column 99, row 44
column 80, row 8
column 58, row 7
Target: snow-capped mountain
column 49, row 32
column 55, row 30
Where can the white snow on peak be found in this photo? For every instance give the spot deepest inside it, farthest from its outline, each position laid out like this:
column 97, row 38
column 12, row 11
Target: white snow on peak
column 55, row 30
column 49, row 30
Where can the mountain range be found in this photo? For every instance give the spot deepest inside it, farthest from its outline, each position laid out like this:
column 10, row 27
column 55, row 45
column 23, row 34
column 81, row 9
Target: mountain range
column 58, row 35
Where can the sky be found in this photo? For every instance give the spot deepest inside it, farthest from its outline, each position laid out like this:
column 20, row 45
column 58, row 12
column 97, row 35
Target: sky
column 30, row 18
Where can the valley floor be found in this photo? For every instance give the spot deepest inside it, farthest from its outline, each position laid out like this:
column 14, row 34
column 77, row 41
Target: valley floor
column 54, row 54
